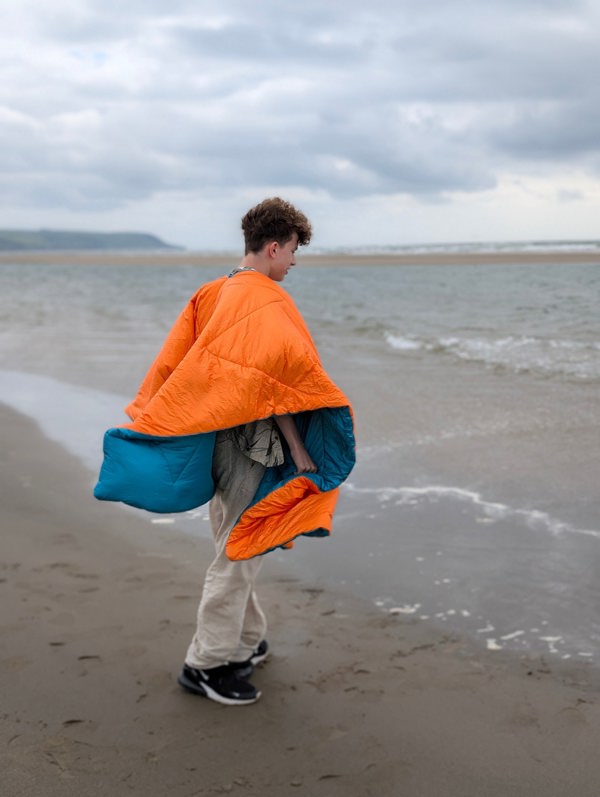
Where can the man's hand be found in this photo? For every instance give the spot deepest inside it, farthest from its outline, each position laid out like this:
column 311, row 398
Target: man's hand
column 301, row 457
column 302, row 460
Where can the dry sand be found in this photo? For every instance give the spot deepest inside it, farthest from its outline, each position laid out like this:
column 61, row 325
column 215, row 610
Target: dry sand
column 97, row 608
column 226, row 260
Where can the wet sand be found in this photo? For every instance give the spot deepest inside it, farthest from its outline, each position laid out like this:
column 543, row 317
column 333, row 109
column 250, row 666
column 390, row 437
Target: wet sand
column 97, row 606
column 226, row 259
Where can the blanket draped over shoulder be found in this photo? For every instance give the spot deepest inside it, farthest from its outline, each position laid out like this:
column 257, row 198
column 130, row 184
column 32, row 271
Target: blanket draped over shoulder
column 239, row 352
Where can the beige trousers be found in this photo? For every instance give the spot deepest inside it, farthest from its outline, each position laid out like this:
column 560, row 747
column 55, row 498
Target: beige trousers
column 230, row 620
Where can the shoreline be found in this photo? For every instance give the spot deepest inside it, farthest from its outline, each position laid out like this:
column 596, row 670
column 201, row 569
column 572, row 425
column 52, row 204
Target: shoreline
column 97, row 609
column 411, row 558
column 420, row 570
column 89, row 258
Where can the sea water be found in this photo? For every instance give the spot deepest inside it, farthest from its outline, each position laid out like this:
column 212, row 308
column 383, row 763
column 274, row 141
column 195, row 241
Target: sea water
column 475, row 500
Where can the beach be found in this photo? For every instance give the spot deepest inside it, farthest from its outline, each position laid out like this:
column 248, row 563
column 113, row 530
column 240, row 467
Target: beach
column 444, row 641
column 327, row 259
column 97, row 609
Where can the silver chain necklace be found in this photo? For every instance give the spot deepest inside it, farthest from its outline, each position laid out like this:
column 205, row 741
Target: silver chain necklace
column 240, row 268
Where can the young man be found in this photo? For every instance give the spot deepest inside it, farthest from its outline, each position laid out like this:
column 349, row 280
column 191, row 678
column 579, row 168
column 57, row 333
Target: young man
column 237, row 397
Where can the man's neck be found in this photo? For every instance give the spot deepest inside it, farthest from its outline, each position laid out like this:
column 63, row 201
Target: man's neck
column 256, row 261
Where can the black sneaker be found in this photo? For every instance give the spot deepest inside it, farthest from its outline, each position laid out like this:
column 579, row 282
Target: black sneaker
column 221, row 684
column 260, row 654
column 244, row 668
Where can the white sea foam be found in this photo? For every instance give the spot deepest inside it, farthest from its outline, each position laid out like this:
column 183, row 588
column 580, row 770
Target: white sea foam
column 513, row 635
column 552, row 642
column 472, row 247
column 572, row 358
column 410, row 496
column 404, row 343
column 406, row 609
column 489, row 627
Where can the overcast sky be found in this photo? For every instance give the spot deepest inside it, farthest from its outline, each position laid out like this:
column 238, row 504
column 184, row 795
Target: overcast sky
column 387, row 122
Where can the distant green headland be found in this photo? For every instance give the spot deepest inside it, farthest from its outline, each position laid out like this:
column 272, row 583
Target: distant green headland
column 65, row 240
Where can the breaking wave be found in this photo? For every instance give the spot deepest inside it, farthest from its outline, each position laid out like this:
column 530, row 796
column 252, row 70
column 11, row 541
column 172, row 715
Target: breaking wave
column 570, row 358
column 534, row 519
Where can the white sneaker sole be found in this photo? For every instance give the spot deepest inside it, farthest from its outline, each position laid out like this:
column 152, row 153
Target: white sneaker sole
column 205, row 691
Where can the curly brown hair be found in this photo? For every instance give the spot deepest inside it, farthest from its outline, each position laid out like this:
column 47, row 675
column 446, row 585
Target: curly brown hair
column 274, row 220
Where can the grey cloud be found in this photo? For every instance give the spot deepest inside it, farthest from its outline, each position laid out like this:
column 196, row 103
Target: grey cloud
column 345, row 98
column 272, row 49
column 566, row 195
column 560, row 131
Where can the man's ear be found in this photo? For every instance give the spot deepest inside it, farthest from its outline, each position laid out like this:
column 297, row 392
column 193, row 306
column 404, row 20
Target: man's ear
column 272, row 249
